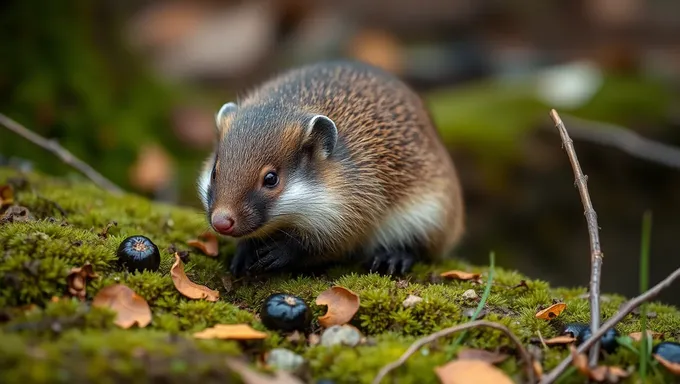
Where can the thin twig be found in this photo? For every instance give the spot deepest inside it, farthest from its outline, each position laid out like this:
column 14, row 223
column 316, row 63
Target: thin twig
column 61, row 152
column 626, row 309
column 591, row 218
column 451, row 330
column 625, row 140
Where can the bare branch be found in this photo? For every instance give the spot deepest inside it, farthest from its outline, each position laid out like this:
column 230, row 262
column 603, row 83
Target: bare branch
column 449, row 331
column 625, row 140
column 626, row 309
column 65, row 156
column 591, row 218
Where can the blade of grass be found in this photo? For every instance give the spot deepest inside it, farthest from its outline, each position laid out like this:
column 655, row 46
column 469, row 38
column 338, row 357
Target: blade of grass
column 485, row 296
column 644, row 285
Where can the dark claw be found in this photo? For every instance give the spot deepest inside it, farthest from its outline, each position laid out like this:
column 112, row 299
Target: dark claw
column 406, row 264
column 392, row 262
column 397, row 260
column 378, row 259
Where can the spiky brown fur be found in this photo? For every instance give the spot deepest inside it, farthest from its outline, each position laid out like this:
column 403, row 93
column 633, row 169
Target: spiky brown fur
column 388, row 183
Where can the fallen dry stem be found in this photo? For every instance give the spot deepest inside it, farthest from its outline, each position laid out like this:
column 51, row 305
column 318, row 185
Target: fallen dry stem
column 449, row 331
column 591, row 219
column 626, row 309
column 61, row 152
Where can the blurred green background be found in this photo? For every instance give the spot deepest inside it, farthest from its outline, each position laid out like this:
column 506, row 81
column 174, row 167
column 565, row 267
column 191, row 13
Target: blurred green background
column 131, row 89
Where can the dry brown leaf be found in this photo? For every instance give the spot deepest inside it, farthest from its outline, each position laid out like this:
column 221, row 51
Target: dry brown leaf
column 673, row 368
column 637, row 336
column 249, row 376
column 560, row 340
column 129, row 306
column 6, row 195
column 482, row 354
column 77, row 280
column 600, row 373
column 460, row 275
column 152, row 169
column 551, row 312
column 342, row 305
column 187, row 287
column 207, row 243
column 538, row 369
column 471, row 371
column 231, row 331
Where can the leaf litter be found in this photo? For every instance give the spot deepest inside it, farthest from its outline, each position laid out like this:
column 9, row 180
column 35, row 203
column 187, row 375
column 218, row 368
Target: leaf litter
column 77, row 280
column 231, row 332
column 206, row 243
column 342, row 304
column 130, row 308
column 187, row 287
column 551, row 312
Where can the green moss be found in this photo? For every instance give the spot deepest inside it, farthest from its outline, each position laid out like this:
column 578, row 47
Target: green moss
column 47, row 340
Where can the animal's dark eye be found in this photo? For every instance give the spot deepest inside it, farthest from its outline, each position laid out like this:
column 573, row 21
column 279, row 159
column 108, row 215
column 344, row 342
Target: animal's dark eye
column 212, row 174
column 271, row 180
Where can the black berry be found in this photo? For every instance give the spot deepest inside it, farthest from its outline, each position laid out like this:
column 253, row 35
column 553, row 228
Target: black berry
column 577, row 330
column 668, row 350
column 608, row 340
column 582, row 333
column 285, row 312
column 138, row 253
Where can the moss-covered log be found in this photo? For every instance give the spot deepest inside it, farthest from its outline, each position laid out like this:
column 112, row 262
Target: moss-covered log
column 47, row 336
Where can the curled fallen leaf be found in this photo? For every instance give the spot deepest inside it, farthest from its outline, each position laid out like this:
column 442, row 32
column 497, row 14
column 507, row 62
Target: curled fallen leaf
column 231, row 331
column 342, row 305
column 551, row 312
column 77, row 280
column 206, row 242
column 129, row 306
column 460, row 275
column 637, row 336
column 6, row 195
column 600, row 373
column 482, row 354
column 673, row 368
column 187, row 287
column 560, row 340
column 471, row 371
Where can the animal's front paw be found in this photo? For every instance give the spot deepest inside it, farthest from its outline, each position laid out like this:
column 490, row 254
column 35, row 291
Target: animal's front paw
column 271, row 257
column 398, row 260
column 244, row 257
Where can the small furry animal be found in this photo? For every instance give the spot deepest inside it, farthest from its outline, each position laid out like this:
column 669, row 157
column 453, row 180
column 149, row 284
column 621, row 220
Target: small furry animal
column 328, row 162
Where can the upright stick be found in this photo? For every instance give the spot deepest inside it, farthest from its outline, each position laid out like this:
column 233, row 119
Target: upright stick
column 591, row 218
column 61, row 152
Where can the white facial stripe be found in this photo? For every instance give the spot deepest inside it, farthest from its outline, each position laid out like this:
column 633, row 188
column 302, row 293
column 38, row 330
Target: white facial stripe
column 317, row 210
column 203, row 183
column 415, row 220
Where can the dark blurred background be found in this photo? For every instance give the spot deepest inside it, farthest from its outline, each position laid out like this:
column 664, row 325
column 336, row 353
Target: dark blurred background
column 131, row 88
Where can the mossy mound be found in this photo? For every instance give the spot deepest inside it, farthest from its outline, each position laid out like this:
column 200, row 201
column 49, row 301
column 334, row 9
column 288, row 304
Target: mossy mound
column 43, row 339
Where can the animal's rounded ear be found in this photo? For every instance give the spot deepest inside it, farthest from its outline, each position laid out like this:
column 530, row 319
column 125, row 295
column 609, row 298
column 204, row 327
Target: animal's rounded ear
column 225, row 111
column 322, row 134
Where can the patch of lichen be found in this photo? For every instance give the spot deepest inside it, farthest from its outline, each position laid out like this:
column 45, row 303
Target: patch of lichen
column 46, row 336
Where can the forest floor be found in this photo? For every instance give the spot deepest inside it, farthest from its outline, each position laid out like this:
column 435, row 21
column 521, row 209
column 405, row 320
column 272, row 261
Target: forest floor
column 51, row 332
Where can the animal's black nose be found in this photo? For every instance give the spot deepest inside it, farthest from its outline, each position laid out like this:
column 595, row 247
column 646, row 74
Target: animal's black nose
column 222, row 222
